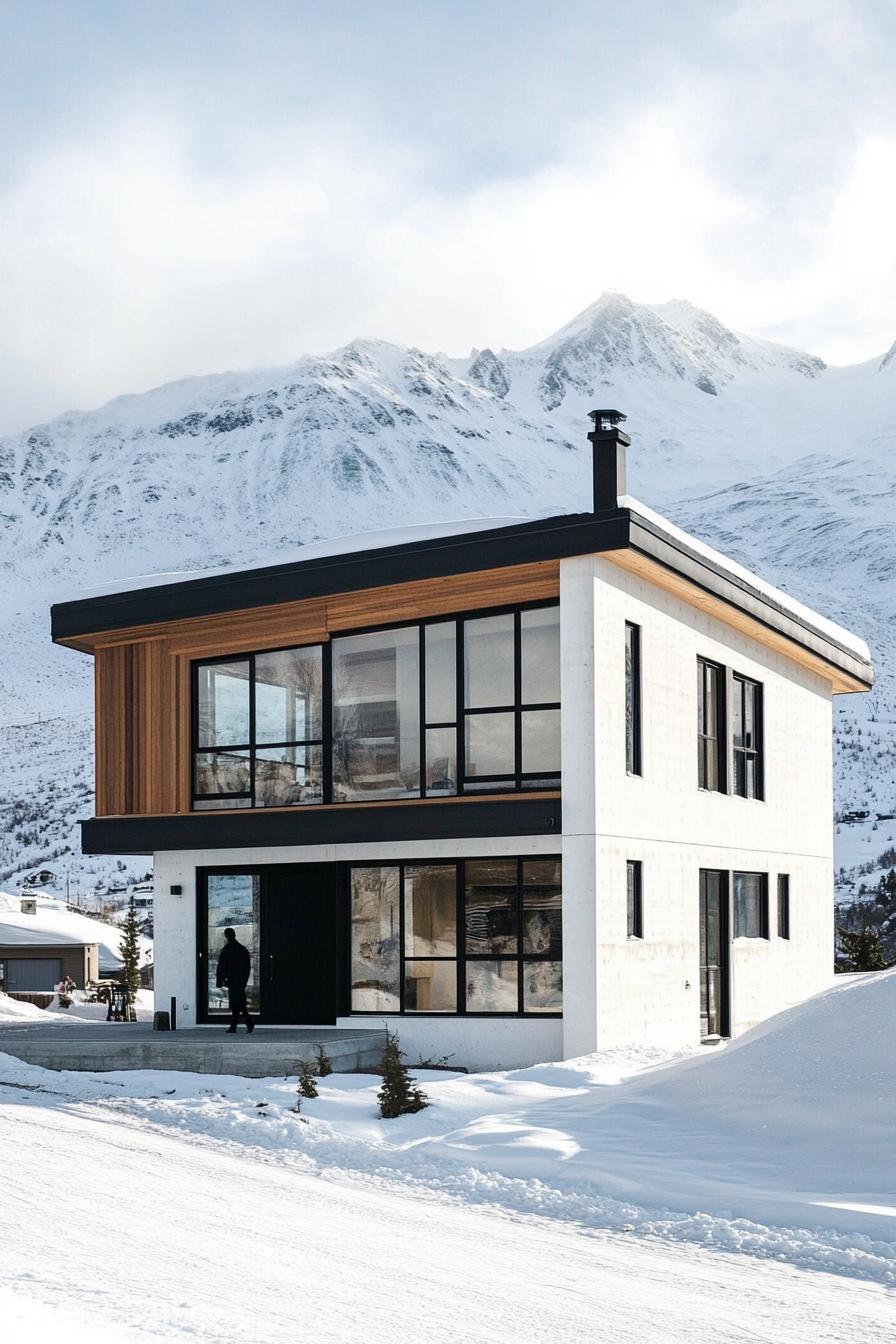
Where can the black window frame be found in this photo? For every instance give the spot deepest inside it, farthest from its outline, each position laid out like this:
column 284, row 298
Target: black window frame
column 763, row 905
column 518, row 781
column 784, row 906
column 741, row 687
column 634, row 898
column 705, row 668
column 520, row 958
column 633, row 693
column 253, row 746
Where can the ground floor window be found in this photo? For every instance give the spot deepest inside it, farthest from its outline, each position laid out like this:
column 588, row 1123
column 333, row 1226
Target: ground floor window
column 750, row 905
column 476, row 936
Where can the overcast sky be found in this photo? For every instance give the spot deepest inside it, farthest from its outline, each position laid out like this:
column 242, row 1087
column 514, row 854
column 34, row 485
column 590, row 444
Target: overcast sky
column 188, row 186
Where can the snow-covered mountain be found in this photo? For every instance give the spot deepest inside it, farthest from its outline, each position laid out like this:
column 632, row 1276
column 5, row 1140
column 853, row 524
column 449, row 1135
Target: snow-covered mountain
column 783, row 462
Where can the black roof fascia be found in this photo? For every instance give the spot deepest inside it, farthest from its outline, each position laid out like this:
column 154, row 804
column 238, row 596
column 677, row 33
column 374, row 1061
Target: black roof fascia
column 675, row 555
column 467, row 819
column 496, row 548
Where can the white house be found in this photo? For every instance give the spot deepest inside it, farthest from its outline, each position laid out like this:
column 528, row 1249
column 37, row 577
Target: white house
column 526, row 789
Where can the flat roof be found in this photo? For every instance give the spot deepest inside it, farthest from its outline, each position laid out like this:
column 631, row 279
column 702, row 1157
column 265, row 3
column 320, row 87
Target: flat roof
column 400, row 555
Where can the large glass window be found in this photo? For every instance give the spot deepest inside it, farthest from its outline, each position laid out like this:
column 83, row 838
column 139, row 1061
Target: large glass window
column 750, row 905
column 480, row 936
column 376, row 715
column 233, row 903
column 433, row 709
column 258, row 730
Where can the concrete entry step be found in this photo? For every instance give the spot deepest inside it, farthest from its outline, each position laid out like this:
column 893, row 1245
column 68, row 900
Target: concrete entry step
column 269, row 1052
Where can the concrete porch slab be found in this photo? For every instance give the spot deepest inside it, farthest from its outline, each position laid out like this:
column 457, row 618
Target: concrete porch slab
column 269, row 1052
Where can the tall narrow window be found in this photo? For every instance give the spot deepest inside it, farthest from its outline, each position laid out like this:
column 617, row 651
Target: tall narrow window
column 783, row 905
column 750, row 905
column 710, row 726
column 440, row 708
column 632, row 698
column 635, row 900
column 746, row 731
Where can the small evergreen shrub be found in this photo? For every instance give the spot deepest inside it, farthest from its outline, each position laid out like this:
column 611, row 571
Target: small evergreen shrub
column 324, row 1063
column 307, row 1086
column 399, row 1093
column 129, row 949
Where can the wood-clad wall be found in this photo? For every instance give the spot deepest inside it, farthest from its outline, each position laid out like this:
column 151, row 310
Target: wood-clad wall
column 142, row 674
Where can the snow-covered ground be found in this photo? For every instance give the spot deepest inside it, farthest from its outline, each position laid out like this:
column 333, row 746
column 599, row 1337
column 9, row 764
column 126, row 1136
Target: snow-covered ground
column 745, row 1193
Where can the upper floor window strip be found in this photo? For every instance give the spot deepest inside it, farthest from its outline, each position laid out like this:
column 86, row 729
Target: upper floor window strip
column 436, row 708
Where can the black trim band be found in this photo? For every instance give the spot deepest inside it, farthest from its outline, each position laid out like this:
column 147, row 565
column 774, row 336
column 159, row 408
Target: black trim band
column 244, row 828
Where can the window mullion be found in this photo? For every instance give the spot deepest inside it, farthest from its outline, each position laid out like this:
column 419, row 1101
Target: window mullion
column 252, row 726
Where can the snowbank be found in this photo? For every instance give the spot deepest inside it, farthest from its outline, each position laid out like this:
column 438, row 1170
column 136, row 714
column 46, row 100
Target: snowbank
column 779, row 1144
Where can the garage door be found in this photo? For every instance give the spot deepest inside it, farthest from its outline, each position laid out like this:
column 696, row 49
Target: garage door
column 27, row 974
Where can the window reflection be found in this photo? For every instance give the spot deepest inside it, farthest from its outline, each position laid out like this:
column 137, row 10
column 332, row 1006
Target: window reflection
column 490, row 907
column 490, row 745
column 223, row 704
column 540, row 655
column 430, row 910
column 233, row 902
column 376, row 715
column 488, row 661
column 376, row 939
column 288, row 695
column 541, row 740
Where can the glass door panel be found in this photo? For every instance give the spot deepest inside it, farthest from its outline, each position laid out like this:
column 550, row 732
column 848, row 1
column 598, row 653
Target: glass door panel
column 233, row 902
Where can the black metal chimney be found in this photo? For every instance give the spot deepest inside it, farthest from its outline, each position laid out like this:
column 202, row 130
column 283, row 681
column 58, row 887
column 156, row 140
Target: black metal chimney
column 608, row 445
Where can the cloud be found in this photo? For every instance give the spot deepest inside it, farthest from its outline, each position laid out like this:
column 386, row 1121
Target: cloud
column 130, row 258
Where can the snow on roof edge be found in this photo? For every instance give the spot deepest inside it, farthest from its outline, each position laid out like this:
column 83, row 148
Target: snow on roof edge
column 349, row 544
column 828, row 628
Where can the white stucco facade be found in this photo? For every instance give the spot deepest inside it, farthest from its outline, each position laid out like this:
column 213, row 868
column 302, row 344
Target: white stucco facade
column 619, row 990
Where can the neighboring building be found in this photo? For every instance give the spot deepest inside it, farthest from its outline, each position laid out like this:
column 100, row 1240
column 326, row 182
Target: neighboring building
column 35, row 957
column 354, row 758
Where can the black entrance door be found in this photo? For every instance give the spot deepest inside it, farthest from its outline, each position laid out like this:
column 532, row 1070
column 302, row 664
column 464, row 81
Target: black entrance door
column 713, row 953
column 302, row 949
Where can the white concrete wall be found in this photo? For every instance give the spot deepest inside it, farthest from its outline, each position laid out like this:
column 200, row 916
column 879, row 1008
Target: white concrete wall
column 648, row 990
column 477, row 1043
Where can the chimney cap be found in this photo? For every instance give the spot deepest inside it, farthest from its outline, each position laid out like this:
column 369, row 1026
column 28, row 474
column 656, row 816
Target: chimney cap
column 606, row 419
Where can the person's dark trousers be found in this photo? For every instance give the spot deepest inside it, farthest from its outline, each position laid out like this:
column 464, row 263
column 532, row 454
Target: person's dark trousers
column 239, row 1008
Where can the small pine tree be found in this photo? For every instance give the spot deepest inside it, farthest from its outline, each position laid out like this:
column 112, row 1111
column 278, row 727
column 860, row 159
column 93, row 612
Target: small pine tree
column 324, row 1063
column 399, row 1093
column 307, row 1086
column 863, row 949
column 129, row 949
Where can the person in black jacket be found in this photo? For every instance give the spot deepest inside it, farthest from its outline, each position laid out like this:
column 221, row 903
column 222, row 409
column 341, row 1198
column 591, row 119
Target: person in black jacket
column 234, row 968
